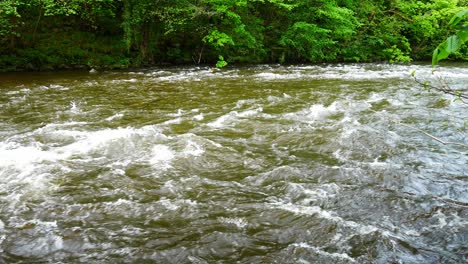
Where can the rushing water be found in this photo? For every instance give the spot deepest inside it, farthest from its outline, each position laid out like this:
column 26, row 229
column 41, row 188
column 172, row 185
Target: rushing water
column 267, row 164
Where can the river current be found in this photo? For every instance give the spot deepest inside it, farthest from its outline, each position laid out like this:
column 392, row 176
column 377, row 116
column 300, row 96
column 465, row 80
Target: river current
column 264, row 164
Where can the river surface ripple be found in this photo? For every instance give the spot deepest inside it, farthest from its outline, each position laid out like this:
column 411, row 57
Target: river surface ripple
column 265, row 164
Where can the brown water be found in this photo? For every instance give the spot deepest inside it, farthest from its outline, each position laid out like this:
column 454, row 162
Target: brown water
column 266, row 164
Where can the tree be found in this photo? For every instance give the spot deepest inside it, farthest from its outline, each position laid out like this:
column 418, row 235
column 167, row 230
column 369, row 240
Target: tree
column 46, row 34
column 317, row 28
column 9, row 22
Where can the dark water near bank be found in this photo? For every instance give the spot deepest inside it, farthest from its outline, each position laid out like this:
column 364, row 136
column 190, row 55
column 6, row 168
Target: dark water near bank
column 267, row 164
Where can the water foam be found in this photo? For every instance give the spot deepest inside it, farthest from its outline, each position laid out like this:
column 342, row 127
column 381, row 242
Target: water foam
column 43, row 154
column 240, row 223
column 234, row 116
column 87, row 142
column 14, row 155
column 132, row 80
column 193, row 149
column 162, row 156
column 116, row 116
column 37, row 246
column 313, row 113
column 220, row 121
column 328, row 215
column 199, row 117
column 33, row 165
column 319, row 251
column 74, row 108
column 184, row 75
column 179, row 113
column 282, row 173
column 278, row 76
column 342, row 72
column 177, row 120
column 307, row 195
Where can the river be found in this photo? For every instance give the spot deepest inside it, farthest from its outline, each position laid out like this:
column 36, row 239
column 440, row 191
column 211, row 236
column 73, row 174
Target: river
column 261, row 164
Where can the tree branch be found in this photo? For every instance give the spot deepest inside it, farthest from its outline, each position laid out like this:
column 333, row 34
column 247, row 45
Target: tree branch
column 444, row 87
column 431, row 136
column 426, row 133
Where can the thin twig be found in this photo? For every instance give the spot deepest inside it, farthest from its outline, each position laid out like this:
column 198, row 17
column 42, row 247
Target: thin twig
column 432, row 136
column 425, row 133
column 452, row 202
column 201, row 53
column 37, row 24
column 445, row 88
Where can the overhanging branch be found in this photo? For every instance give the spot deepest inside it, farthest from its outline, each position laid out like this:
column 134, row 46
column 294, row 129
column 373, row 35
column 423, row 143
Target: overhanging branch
column 444, row 87
column 431, row 136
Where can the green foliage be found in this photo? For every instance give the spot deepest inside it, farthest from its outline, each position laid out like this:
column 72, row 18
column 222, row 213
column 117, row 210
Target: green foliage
column 218, row 39
column 309, row 40
column 44, row 34
column 8, row 15
column 454, row 42
column 221, row 62
column 232, row 29
column 316, row 31
column 426, row 22
column 395, row 55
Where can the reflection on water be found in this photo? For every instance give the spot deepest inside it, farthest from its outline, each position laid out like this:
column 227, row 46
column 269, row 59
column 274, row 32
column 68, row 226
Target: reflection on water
column 266, row 164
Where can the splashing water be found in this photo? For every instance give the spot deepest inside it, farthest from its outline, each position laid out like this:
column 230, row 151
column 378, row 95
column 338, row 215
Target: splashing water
column 267, row 164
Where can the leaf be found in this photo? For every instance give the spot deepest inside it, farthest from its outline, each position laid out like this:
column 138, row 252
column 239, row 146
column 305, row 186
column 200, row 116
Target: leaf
column 463, row 36
column 439, row 54
column 453, row 44
column 218, row 39
column 280, row 3
column 426, row 86
column 458, row 17
column 463, row 27
column 221, row 62
column 435, row 54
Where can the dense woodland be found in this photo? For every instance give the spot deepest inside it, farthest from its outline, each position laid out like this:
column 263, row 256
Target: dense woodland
column 55, row 34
